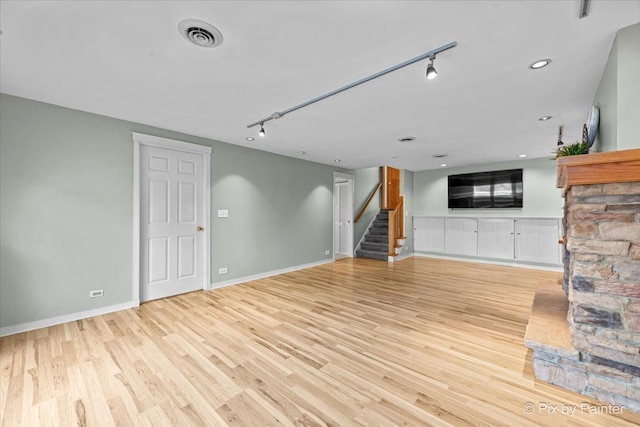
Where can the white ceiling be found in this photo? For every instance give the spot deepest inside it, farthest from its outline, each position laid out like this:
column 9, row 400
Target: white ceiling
column 126, row 59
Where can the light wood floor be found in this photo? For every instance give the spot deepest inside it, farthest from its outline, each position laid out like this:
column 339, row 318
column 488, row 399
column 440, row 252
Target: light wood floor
column 357, row 342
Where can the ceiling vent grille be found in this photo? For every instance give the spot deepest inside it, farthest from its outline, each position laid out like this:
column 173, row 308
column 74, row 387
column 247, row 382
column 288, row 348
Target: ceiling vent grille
column 200, row 33
column 407, row 139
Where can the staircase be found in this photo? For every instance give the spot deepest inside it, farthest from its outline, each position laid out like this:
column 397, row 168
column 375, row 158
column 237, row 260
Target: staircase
column 376, row 241
column 385, row 236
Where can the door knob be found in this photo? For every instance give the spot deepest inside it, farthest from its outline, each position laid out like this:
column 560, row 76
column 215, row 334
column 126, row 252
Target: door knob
column 200, row 228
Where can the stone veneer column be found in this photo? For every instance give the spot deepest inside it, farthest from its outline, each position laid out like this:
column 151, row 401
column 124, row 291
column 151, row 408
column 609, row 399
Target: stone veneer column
column 602, row 239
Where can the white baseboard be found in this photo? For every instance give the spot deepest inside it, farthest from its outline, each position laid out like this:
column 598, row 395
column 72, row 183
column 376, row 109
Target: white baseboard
column 266, row 274
column 492, row 262
column 404, row 256
column 52, row 321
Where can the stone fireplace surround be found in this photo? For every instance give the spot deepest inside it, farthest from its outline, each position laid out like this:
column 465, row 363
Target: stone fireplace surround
column 585, row 334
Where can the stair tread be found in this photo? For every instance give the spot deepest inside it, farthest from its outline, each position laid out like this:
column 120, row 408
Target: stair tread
column 375, row 246
column 363, row 253
column 376, row 241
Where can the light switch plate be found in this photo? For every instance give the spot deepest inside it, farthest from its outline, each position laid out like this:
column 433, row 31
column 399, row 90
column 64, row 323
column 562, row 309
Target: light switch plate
column 223, row 213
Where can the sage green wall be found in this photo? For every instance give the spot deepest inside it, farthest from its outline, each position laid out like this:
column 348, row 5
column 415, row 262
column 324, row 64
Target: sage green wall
column 66, row 210
column 541, row 197
column 628, row 87
column 607, row 101
column 618, row 94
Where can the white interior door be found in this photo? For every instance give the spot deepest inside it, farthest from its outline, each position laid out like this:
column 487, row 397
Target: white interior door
column 171, row 218
column 344, row 219
column 343, row 215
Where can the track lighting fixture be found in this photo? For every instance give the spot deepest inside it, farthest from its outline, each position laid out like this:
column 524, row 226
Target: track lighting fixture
column 431, row 73
column 431, row 70
column 560, row 143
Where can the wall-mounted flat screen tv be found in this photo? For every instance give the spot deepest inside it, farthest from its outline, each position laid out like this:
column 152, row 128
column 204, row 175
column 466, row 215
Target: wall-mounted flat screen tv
column 481, row 190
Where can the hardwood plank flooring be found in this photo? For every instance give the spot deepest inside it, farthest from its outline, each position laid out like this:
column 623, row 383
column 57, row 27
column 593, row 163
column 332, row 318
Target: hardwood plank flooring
column 353, row 343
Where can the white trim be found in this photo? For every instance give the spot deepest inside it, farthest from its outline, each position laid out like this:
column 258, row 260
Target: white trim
column 474, row 215
column 405, row 256
column 207, row 221
column 171, row 144
column 135, row 279
column 343, row 175
column 485, row 261
column 266, row 274
column 57, row 320
column 351, row 179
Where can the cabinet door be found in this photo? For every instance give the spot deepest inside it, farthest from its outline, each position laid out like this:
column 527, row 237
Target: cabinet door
column 537, row 240
column 496, row 238
column 461, row 236
column 428, row 234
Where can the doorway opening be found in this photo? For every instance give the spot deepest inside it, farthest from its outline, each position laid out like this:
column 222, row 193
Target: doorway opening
column 343, row 186
column 171, row 217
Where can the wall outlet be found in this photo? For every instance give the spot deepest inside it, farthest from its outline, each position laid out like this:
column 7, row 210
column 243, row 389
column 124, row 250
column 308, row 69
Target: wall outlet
column 223, row 213
column 97, row 293
column 223, row 270
column 327, row 252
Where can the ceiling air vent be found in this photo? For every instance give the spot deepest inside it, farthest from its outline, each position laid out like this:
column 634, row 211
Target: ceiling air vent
column 407, row 139
column 200, row 33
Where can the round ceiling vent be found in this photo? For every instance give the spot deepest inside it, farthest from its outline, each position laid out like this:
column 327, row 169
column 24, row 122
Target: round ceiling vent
column 200, row 33
column 407, row 139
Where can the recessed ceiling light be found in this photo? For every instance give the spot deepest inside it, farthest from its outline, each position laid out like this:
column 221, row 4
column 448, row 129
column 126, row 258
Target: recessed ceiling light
column 250, row 138
column 302, row 153
column 443, row 165
column 539, row 64
column 407, row 139
column 545, row 118
column 522, row 155
column 439, row 156
column 337, row 160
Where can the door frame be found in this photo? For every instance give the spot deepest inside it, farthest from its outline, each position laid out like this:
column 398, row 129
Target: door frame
column 339, row 176
column 171, row 144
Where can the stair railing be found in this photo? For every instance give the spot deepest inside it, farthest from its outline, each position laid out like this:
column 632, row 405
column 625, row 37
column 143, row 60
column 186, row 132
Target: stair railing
column 366, row 204
column 396, row 226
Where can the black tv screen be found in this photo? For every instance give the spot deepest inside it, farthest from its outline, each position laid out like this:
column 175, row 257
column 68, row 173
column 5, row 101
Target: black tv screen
column 498, row 189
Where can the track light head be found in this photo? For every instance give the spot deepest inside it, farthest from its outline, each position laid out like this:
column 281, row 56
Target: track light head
column 261, row 133
column 560, row 136
column 431, row 70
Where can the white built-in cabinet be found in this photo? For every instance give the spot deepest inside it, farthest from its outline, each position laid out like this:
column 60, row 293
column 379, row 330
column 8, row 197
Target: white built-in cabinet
column 429, row 233
column 533, row 240
column 496, row 238
column 461, row 236
column 537, row 240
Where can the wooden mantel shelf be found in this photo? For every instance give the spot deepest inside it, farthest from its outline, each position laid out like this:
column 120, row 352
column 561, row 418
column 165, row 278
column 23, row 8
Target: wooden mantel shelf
column 599, row 168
